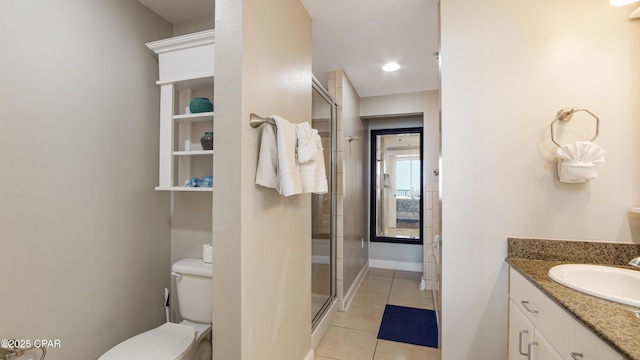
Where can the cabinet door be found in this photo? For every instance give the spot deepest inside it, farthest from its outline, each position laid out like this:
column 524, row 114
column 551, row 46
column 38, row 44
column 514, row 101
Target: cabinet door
column 549, row 318
column 525, row 341
column 541, row 348
column 590, row 346
column 529, row 305
column 520, row 333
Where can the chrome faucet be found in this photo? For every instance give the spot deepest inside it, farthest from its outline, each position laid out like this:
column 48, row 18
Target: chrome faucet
column 635, row 262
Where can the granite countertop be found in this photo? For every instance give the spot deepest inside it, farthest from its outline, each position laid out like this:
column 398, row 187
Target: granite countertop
column 617, row 324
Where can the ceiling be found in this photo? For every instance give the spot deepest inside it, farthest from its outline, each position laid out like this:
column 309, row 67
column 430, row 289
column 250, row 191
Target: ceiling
column 357, row 36
column 180, row 11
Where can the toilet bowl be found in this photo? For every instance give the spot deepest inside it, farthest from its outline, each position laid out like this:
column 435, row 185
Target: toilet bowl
column 188, row 340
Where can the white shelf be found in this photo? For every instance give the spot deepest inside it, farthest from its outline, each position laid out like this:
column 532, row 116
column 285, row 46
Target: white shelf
column 634, row 210
column 184, row 188
column 205, row 116
column 193, row 152
column 186, row 69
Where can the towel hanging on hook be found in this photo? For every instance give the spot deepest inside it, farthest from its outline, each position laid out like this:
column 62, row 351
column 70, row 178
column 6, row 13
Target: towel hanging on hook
column 279, row 163
column 576, row 160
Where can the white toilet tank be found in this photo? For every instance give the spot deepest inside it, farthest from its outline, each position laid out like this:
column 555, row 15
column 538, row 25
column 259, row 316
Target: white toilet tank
column 194, row 284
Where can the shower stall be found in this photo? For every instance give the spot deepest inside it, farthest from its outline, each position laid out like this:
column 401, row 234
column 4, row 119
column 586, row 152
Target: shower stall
column 323, row 267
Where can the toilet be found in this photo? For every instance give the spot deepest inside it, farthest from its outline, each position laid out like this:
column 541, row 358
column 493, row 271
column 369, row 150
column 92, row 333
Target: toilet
column 188, row 340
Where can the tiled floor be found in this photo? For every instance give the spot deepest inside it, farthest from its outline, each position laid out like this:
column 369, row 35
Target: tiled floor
column 353, row 334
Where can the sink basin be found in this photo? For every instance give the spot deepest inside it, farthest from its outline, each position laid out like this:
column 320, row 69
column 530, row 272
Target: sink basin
column 607, row 282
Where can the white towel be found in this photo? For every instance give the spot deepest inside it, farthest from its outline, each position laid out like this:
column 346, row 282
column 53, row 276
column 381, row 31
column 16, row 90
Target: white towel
column 288, row 168
column 313, row 173
column 576, row 161
column 278, row 167
column 307, row 147
column 267, row 171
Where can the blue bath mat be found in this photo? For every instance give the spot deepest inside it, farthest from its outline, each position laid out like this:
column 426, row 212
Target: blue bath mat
column 409, row 325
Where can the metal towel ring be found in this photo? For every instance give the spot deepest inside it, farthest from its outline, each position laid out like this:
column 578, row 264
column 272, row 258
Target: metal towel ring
column 565, row 114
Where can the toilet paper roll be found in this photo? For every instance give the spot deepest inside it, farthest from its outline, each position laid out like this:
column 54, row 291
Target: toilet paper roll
column 207, row 253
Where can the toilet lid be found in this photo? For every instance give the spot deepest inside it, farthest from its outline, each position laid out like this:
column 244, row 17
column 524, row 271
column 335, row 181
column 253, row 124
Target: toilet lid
column 168, row 341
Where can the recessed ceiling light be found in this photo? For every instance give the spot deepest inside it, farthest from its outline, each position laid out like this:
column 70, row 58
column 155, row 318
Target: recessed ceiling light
column 392, row 66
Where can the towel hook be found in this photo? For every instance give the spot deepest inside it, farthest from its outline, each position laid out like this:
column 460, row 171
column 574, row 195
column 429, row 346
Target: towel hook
column 565, row 114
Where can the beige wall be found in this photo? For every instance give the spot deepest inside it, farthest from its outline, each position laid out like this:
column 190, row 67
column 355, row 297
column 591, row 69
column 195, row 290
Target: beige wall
column 202, row 23
column 262, row 241
column 84, row 237
column 507, row 67
column 191, row 214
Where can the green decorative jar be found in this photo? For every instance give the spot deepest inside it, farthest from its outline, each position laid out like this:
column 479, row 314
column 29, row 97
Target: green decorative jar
column 200, row 104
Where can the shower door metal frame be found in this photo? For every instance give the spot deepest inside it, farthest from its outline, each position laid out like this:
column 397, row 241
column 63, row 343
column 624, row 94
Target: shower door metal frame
column 317, row 86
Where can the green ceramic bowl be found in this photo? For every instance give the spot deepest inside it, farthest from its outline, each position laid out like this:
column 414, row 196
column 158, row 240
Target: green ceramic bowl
column 200, row 104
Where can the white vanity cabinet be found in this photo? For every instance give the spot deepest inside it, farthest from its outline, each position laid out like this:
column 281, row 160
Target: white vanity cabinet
column 540, row 329
column 524, row 338
column 186, row 65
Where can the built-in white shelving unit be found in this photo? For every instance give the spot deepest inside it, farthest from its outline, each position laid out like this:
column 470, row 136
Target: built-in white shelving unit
column 634, row 210
column 186, row 66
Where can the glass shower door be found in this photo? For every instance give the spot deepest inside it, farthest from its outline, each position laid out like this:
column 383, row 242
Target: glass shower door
column 322, row 246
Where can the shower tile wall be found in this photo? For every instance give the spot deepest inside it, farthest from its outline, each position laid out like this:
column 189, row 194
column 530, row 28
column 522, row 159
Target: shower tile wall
column 335, row 89
column 431, row 227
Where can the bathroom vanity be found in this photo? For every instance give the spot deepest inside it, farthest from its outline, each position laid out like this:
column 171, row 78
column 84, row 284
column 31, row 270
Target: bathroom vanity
column 550, row 321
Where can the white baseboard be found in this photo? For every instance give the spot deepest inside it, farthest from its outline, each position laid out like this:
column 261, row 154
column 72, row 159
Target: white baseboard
column 310, row 355
column 351, row 294
column 323, row 326
column 396, row 265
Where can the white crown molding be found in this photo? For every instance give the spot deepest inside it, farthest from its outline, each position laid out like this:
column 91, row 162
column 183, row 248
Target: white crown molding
column 183, row 42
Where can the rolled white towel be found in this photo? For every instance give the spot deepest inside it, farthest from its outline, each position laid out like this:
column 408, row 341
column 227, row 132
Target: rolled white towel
column 576, row 162
column 313, row 173
column 571, row 172
column 306, row 147
column 289, row 180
